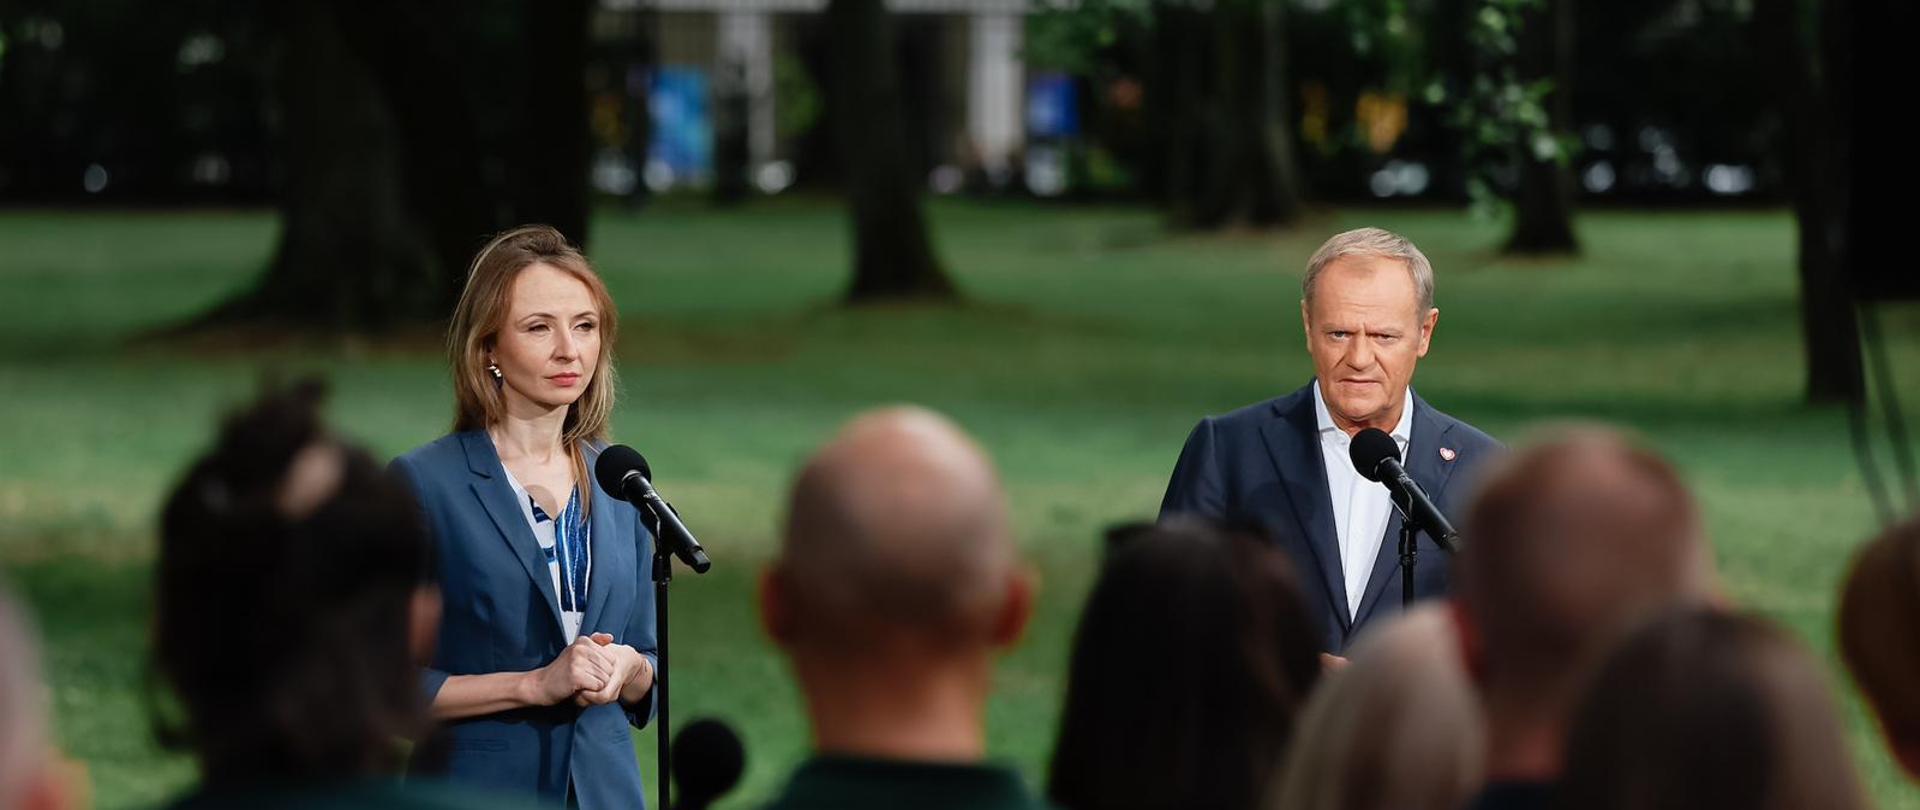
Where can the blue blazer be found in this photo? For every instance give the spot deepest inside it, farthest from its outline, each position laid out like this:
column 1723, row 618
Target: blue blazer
column 501, row 615
column 1263, row 464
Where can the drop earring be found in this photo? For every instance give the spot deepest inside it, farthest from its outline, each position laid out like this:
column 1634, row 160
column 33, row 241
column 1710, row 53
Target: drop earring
column 494, row 369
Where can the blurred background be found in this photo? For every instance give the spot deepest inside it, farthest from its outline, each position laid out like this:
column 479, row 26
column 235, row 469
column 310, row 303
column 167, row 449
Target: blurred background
column 1075, row 225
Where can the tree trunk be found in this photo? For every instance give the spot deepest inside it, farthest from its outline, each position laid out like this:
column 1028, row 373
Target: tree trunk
column 556, row 134
column 893, row 256
column 1231, row 158
column 1812, row 151
column 350, row 252
column 1543, row 203
column 1450, row 54
column 417, row 58
column 1175, row 91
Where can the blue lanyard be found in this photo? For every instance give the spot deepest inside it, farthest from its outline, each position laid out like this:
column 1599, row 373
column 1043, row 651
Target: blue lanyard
column 570, row 539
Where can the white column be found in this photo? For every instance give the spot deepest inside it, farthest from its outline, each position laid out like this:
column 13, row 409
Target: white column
column 994, row 92
column 746, row 41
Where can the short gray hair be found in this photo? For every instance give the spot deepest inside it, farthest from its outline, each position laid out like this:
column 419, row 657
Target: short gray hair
column 1373, row 242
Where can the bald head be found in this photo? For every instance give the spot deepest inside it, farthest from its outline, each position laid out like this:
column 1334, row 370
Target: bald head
column 1571, row 542
column 897, row 527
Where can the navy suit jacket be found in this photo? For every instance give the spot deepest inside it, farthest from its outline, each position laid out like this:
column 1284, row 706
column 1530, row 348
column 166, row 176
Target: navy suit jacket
column 1262, row 464
column 501, row 615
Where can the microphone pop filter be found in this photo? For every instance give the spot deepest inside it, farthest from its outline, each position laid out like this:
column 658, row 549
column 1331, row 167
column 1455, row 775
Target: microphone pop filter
column 707, row 762
column 1369, row 448
column 614, row 464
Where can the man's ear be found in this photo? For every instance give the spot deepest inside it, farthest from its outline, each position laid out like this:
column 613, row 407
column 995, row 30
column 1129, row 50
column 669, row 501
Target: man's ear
column 423, row 623
column 1472, row 650
column 1016, row 609
column 776, row 614
column 1426, row 330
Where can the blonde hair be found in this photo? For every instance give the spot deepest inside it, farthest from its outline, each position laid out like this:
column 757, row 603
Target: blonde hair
column 1399, row 729
column 1372, row 242
column 482, row 312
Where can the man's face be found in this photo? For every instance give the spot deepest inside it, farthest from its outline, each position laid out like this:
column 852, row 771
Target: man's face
column 1366, row 332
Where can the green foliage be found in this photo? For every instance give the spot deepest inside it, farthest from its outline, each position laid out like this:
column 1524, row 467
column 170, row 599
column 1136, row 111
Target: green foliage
column 1072, row 37
column 1503, row 116
column 797, row 101
column 1091, row 344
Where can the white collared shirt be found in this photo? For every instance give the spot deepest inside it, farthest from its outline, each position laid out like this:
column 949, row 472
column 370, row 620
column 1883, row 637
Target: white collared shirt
column 1360, row 507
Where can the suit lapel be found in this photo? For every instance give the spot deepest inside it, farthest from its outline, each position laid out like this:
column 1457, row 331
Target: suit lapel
column 609, row 554
column 1294, row 442
column 500, row 501
column 1431, row 472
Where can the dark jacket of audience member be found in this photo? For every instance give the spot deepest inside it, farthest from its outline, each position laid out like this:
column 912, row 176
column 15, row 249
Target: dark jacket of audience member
column 294, row 603
column 1702, row 710
column 1879, row 629
column 1191, row 661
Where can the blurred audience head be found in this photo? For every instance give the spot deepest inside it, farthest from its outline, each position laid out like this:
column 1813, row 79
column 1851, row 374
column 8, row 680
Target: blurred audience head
column 294, row 602
column 1703, row 710
column 1572, row 541
column 1193, row 657
column 1880, row 635
column 30, row 773
column 1399, row 728
column 896, row 581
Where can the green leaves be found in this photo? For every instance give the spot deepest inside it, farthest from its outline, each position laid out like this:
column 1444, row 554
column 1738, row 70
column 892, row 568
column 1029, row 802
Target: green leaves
column 1503, row 117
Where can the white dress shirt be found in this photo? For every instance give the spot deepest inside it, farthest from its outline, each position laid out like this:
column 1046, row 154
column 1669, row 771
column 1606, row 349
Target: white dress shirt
column 1360, row 506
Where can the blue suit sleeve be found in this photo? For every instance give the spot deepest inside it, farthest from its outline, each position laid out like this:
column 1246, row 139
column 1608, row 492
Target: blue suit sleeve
column 640, row 626
column 430, row 679
column 1196, row 488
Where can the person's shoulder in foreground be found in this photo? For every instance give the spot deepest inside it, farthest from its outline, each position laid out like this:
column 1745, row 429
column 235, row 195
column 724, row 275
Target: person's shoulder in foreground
column 853, row 783
column 375, row 794
column 1514, row 795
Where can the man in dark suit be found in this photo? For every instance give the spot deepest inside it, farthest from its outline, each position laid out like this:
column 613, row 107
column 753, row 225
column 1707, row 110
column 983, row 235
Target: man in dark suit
column 1367, row 305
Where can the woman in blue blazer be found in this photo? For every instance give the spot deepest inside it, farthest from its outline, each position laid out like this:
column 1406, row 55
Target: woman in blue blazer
column 546, row 649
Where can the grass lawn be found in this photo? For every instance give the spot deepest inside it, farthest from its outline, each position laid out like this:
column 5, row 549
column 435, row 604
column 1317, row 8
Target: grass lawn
column 1091, row 342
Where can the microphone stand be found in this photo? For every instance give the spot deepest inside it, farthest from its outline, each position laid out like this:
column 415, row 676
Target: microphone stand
column 662, row 576
column 1409, row 548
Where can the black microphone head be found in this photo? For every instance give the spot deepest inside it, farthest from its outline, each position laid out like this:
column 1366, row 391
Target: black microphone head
column 1369, row 448
column 614, row 464
column 707, row 762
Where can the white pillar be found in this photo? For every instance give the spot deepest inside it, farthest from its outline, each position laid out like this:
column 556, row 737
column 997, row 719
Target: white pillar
column 746, row 41
column 995, row 125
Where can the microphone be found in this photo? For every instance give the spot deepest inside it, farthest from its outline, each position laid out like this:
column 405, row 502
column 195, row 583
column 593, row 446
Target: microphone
column 707, row 762
column 624, row 474
column 1377, row 456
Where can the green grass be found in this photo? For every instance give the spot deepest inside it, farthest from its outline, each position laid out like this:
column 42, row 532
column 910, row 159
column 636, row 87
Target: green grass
column 1091, row 342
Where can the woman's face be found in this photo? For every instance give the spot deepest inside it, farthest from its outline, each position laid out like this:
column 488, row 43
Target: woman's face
column 550, row 343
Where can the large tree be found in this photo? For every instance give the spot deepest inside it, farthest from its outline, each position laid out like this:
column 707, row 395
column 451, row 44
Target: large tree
column 1543, row 197
column 352, row 253
column 893, row 256
column 1810, row 64
column 386, row 193
column 556, row 140
column 1219, row 91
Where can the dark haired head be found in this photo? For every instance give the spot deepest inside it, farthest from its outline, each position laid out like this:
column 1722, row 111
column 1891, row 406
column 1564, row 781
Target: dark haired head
column 1879, row 618
column 1702, row 710
column 1192, row 657
column 289, row 572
